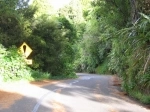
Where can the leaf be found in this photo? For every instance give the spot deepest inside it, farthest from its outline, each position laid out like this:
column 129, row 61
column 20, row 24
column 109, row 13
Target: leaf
column 145, row 16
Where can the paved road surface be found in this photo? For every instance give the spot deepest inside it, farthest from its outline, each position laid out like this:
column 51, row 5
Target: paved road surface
column 88, row 93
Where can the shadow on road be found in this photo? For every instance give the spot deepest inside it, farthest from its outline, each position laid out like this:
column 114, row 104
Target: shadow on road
column 101, row 92
column 14, row 102
column 63, row 95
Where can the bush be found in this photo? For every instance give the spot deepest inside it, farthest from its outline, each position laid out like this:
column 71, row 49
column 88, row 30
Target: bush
column 52, row 42
column 103, row 68
column 130, row 56
column 14, row 68
column 12, row 65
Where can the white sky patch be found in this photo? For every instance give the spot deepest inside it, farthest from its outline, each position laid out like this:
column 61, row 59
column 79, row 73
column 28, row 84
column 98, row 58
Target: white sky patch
column 59, row 3
column 30, row 2
column 56, row 4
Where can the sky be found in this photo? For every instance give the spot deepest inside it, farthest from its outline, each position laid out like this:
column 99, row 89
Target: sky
column 56, row 3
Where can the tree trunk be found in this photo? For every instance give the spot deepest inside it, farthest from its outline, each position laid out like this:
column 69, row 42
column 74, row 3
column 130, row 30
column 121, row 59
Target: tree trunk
column 134, row 11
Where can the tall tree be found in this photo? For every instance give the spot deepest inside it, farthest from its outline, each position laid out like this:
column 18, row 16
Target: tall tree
column 11, row 24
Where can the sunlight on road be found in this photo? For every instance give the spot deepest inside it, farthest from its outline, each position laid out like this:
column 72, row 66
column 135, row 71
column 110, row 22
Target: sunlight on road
column 71, row 96
column 78, row 100
column 12, row 92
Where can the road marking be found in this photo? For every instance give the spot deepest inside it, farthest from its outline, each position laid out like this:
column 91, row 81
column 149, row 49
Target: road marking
column 70, row 84
column 73, row 82
column 36, row 107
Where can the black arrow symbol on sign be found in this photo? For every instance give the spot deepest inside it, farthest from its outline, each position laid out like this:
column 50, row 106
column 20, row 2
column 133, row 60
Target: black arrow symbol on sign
column 24, row 48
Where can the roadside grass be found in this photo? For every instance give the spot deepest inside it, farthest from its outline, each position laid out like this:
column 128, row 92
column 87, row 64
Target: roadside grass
column 103, row 68
column 30, row 76
column 135, row 94
column 61, row 77
column 143, row 98
column 39, row 75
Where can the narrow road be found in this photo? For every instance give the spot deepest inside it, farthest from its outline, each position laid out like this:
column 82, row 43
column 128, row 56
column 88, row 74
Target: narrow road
column 88, row 93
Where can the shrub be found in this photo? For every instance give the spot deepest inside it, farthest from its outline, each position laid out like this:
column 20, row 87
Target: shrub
column 130, row 56
column 12, row 65
column 52, row 42
column 103, row 68
column 14, row 68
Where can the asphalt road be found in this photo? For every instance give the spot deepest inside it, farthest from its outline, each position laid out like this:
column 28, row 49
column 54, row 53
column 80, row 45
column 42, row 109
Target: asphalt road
column 88, row 93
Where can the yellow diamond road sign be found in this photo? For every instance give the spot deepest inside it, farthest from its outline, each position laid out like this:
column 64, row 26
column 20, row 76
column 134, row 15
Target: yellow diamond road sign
column 25, row 49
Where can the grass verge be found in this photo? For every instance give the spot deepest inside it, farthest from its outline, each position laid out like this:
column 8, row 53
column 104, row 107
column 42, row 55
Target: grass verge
column 103, row 68
column 143, row 98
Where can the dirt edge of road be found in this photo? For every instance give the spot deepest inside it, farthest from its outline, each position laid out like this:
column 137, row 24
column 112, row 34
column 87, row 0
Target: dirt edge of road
column 117, row 82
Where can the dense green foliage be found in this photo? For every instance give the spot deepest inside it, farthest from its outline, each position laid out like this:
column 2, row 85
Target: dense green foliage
column 51, row 37
column 130, row 57
column 13, row 67
column 52, row 41
column 117, row 40
column 96, row 43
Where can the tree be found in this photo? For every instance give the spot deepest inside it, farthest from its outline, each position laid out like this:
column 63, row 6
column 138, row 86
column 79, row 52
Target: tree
column 43, row 8
column 11, row 23
column 120, row 36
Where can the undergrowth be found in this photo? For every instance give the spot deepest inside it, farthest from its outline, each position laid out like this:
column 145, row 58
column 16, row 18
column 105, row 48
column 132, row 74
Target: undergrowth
column 103, row 68
column 144, row 98
column 14, row 68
